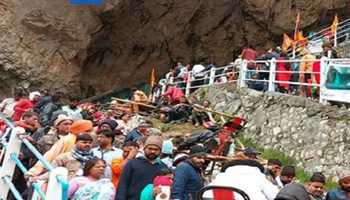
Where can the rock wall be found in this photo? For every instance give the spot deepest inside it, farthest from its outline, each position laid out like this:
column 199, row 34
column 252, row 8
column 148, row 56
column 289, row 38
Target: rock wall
column 51, row 44
column 42, row 44
column 316, row 136
column 343, row 49
column 141, row 34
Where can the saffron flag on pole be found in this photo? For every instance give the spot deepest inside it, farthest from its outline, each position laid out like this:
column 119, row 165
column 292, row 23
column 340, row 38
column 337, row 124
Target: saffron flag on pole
column 300, row 36
column 334, row 25
column 301, row 40
column 153, row 79
column 287, row 42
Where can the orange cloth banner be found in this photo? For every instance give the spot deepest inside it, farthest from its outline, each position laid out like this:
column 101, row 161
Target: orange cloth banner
column 287, row 42
column 334, row 25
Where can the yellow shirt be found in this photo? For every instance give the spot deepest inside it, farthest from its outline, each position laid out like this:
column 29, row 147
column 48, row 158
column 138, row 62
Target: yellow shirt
column 64, row 145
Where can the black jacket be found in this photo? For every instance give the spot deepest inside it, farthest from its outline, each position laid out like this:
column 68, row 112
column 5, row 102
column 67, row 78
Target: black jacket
column 137, row 173
column 293, row 191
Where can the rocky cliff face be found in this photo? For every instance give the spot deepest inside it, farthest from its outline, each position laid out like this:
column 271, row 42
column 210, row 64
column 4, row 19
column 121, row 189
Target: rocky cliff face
column 316, row 136
column 51, row 44
column 344, row 49
column 42, row 44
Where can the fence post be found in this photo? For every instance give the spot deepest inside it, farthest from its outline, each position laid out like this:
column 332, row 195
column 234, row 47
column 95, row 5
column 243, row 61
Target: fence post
column 212, row 76
column 323, row 78
column 272, row 76
column 242, row 73
column 188, row 84
column 293, row 52
column 54, row 188
column 8, row 166
column 36, row 195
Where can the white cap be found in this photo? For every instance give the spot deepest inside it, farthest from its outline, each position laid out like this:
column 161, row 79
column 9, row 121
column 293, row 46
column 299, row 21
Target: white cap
column 32, row 95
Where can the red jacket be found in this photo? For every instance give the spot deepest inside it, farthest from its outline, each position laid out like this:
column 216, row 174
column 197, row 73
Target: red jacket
column 175, row 94
column 249, row 55
column 316, row 67
column 22, row 106
column 283, row 76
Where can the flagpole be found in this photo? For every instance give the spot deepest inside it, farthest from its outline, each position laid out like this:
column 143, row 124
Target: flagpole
column 293, row 51
column 297, row 26
column 335, row 37
column 152, row 84
column 334, row 30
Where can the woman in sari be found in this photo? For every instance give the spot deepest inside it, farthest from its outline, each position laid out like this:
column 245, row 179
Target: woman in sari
column 91, row 186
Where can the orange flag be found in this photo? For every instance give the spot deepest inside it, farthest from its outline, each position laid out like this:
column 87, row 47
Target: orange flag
column 152, row 80
column 301, row 40
column 287, row 42
column 300, row 36
column 334, row 25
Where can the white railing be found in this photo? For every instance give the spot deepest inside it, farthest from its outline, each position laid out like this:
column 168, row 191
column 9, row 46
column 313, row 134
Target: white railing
column 321, row 33
column 244, row 79
column 342, row 34
column 57, row 188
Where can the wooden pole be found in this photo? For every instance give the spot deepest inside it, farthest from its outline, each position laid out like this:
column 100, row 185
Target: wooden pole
column 240, row 143
column 134, row 102
column 195, row 105
column 213, row 111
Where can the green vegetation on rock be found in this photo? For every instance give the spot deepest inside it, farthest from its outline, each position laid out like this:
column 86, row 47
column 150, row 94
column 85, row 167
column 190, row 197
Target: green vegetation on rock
column 301, row 175
column 182, row 128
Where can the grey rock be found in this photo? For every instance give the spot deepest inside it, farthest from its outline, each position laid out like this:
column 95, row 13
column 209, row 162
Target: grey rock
column 316, row 136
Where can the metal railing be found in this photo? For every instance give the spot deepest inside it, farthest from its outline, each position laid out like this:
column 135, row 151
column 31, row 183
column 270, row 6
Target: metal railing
column 342, row 34
column 271, row 82
column 207, row 78
column 321, row 33
column 57, row 185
